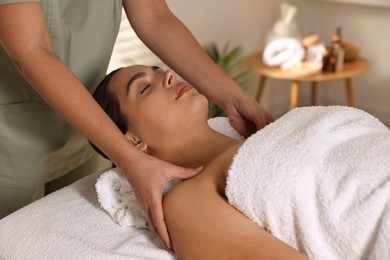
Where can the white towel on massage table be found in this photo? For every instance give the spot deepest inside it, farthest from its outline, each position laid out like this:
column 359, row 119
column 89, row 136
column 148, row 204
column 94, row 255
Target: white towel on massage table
column 318, row 179
column 117, row 197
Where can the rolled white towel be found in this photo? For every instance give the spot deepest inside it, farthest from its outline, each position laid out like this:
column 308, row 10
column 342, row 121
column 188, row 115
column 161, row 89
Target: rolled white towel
column 284, row 52
column 117, row 197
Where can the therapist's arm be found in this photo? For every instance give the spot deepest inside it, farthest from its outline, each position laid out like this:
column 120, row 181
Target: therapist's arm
column 166, row 36
column 24, row 36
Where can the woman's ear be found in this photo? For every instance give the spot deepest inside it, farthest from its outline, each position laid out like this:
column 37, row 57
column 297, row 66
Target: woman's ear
column 136, row 141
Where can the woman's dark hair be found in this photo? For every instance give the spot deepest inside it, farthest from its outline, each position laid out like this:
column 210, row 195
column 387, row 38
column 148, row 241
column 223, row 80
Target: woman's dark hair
column 110, row 105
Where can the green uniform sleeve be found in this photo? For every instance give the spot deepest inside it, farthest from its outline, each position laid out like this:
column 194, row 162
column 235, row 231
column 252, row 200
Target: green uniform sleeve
column 18, row 1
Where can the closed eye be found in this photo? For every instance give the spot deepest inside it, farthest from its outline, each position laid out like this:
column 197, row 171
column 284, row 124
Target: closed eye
column 144, row 89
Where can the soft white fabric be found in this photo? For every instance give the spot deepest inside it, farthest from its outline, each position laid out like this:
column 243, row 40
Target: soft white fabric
column 318, row 179
column 117, row 197
column 284, row 52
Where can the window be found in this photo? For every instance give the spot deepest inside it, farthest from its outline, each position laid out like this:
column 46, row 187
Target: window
column 129, row 49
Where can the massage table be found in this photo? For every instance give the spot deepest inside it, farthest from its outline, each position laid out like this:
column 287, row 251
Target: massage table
column 70, row 224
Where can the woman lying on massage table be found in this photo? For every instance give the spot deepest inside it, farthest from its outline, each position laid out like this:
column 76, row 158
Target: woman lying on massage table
column 167, row 118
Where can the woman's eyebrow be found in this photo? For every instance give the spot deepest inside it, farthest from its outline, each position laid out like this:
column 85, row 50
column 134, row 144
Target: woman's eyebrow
column 155, row 68
column 133, row 78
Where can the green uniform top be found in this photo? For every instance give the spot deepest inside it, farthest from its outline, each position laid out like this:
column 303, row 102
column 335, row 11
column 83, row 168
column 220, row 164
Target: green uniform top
column 36, row 144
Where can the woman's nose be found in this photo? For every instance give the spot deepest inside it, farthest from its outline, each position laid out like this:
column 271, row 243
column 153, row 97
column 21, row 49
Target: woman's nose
column 169, row 78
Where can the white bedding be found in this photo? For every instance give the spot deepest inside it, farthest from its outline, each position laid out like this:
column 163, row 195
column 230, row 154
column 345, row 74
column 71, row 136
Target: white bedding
column 69, row 224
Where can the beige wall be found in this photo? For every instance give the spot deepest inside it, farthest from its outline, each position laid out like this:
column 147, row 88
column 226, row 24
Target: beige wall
column 246, row 23
column 238, row 22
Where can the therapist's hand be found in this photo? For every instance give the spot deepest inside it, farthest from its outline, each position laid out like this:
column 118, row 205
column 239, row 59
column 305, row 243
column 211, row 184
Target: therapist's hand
column 246, row 115
column 148, row 179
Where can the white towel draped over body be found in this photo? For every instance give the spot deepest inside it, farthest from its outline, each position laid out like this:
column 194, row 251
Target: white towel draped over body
column 318, row 179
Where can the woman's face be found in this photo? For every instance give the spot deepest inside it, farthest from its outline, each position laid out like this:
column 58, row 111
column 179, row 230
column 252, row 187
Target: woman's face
column 159, row 107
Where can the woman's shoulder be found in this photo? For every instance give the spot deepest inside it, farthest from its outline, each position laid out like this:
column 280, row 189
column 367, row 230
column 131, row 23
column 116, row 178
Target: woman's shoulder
column 211, row 179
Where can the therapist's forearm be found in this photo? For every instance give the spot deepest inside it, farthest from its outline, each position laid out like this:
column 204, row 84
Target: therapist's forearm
column 65, row 94
column 166, row 36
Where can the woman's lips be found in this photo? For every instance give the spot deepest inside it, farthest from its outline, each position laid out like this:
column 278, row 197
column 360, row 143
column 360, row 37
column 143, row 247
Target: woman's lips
column 181, row 89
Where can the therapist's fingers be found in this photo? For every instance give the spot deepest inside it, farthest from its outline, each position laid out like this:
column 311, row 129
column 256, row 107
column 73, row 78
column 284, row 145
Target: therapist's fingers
column 247, row 116
column 269, row 118
column 155, row 211
column 242, row 124
column 264, row 120
column 148, row 181
column 151, row 202
column 156, row 215
column 186, row 173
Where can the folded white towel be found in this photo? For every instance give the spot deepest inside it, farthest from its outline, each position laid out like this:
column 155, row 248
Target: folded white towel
column 284, row 52
column 117, row 197
column 318, row 178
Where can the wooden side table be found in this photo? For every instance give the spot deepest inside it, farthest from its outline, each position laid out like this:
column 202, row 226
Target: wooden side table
column 350, row 70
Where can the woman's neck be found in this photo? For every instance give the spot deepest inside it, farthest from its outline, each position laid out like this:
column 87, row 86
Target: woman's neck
column 198, row 148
